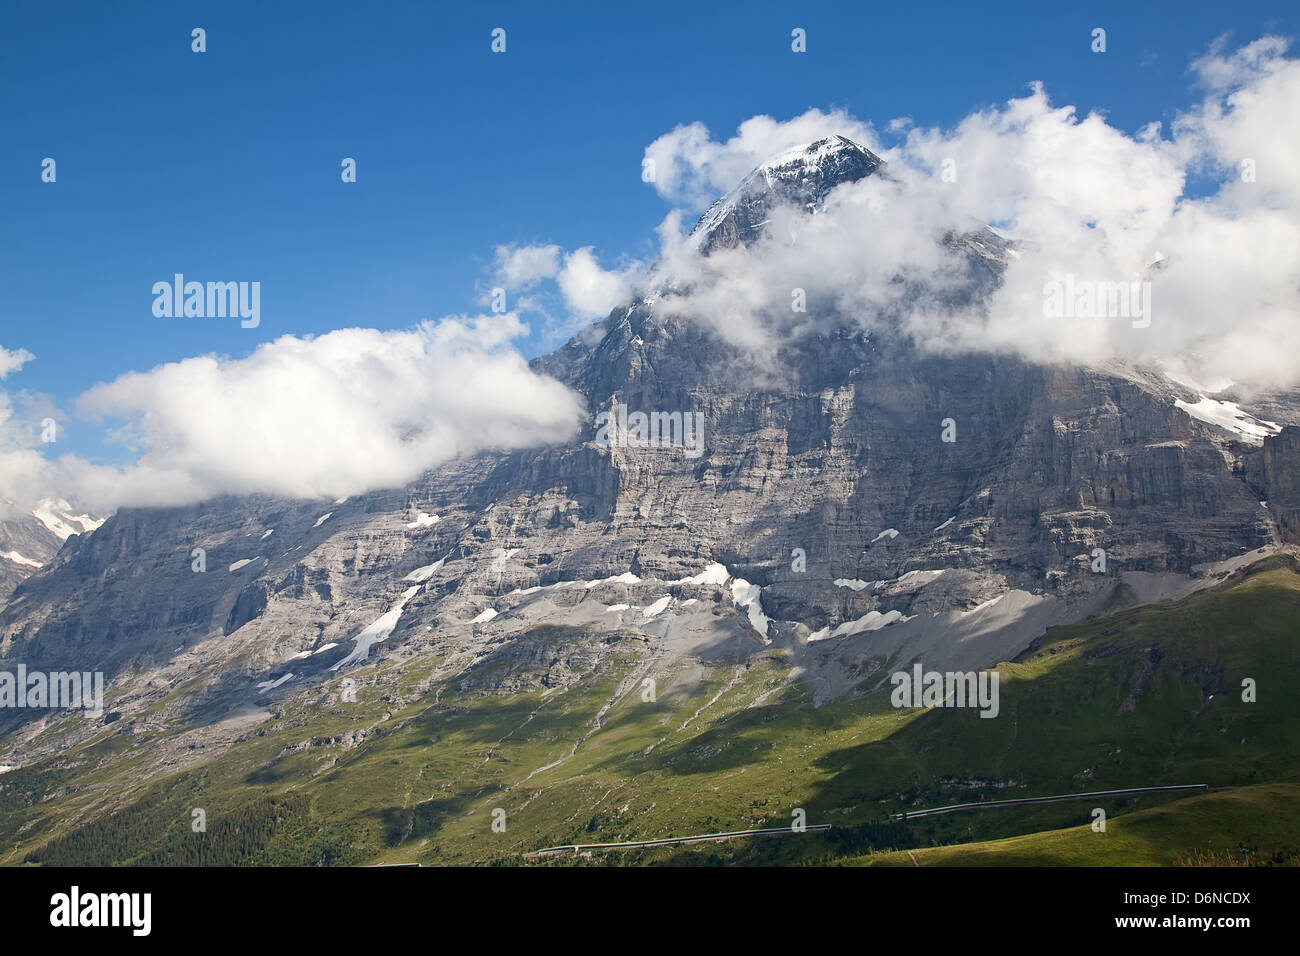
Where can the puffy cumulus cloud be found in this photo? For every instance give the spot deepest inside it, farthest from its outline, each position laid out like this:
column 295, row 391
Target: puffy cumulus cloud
column 693, row 169
column 590, row 291
column 26, row 476
column 11, row 360
column 1086, row 202
column 519, row 267
column 1046, row 174
column 337, row 414
column 1084, row 199
column 565, row 290
column 1245, row 128
column 843, row 265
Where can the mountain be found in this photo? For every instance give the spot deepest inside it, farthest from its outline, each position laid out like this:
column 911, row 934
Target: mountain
column 415, row 771
column 800, row 177
column 28, row 540
column 824, row 531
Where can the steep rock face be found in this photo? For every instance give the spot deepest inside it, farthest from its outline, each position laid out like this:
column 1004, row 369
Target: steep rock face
column 25, row 546
column 1046, row 465
column 1278, row 474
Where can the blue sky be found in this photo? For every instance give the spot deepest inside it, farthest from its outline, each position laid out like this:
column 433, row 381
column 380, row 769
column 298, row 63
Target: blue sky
column 225, row 165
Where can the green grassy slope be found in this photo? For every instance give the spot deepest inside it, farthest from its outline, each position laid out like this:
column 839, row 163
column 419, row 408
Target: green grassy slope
column 1208, row 828
column 1141, row 698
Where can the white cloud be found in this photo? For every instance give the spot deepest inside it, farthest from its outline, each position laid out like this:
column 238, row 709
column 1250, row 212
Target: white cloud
column 591, row 291
column 522, row 266
column 1087, row 200
column 11, row 360
column 581, row 289
column 25, row 474
column 333, row 415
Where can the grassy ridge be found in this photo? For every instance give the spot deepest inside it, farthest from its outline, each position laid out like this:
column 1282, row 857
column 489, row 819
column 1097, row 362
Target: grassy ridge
column 1261, row 818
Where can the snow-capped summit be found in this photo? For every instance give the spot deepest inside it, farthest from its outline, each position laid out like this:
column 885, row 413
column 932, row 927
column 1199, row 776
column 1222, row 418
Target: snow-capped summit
column 820, row 157
column 801, row 176
column 29, row 539
column 58, row 517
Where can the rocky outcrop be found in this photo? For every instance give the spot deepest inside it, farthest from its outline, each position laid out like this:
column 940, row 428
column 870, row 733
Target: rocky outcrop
column 1278, row 474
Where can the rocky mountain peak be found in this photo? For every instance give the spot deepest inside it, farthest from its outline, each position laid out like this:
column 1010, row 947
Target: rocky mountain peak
column 801, row 177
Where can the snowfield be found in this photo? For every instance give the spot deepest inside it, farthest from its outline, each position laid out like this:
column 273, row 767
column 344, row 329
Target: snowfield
column 54, row 515
column 377, row 631
column 656, row 608
column 1230, row 417
column 273, row 684
column 871, row 621
column 746, row 595
column 716, row 574
column 420, row 575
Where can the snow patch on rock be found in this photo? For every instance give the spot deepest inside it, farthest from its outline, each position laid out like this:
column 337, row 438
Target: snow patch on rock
column 377, row 631
column 273, row 684
column 656, row 608
column 420, row 575
column 871, row 621
column 1230, row 417
column 499, row 558
column 715, row 574
column 748, row 596
column 54, row 515
column 627, row 577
